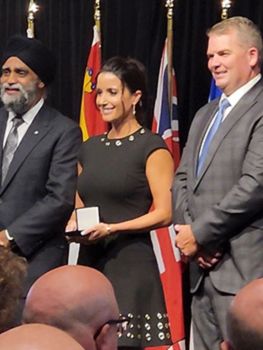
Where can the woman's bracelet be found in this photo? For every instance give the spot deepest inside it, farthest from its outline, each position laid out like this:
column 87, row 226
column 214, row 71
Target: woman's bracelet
column 108, row 229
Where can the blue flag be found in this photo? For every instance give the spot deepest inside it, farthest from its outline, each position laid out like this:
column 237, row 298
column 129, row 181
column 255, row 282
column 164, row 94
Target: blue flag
column 214, row 91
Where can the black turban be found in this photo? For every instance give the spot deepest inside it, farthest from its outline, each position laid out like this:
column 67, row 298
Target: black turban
column 34, row 54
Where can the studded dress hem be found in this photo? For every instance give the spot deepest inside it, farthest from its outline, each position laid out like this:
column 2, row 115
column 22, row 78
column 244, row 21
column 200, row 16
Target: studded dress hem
column 147, row 329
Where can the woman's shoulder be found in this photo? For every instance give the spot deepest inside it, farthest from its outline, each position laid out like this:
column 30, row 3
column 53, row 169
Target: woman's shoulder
column 154, row 138
column 151, row 142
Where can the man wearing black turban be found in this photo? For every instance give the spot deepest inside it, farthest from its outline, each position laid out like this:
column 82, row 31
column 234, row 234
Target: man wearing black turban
column 37, row 187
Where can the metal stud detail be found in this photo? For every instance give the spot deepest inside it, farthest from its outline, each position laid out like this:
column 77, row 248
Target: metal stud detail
column 147, row 326
column 119, row 142
column 160, row 325
column 148, row 337
column 161, row 335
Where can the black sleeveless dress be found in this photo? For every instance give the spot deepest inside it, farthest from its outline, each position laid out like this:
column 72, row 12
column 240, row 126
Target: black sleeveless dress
column 113, row 178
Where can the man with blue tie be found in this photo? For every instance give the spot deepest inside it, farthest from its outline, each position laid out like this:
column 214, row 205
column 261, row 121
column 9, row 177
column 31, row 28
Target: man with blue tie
column 38, row 159
column 218, row 187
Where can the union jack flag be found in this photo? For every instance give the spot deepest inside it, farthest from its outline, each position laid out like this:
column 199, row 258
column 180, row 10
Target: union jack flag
column 165, row 122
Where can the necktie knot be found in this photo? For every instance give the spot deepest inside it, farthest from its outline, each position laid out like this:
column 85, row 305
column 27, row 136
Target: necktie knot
column 223, row 105
column 17, row 120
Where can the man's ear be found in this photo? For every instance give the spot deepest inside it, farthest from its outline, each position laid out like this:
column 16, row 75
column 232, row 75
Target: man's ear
column 107, row 338
column 41, row 85
column 253, row 56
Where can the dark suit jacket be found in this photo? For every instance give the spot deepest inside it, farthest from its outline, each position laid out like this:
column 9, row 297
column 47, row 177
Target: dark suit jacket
column 224, row 205
column 37, row 196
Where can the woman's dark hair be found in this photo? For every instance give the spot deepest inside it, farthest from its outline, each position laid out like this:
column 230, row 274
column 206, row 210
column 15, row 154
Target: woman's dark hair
column 132, row 75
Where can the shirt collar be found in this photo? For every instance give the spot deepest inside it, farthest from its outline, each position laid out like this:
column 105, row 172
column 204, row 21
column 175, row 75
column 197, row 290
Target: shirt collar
column 236, row 96
column 30, row 114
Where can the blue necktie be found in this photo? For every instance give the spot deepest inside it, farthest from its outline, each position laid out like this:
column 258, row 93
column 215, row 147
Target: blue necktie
column 211, row 133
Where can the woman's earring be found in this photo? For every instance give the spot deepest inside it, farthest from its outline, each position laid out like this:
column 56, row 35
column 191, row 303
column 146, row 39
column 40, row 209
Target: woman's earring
column 133, row 109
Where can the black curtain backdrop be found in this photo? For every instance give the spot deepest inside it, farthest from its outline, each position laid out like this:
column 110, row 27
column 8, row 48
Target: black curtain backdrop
column 135, row 28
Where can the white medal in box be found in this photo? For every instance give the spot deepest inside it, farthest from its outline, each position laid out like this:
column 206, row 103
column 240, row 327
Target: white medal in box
column 87, row 217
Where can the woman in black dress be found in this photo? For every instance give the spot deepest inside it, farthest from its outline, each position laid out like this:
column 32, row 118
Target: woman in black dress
column 128, row 174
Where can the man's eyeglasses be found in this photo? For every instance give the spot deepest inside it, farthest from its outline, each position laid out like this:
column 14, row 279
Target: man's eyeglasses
column 121, row 323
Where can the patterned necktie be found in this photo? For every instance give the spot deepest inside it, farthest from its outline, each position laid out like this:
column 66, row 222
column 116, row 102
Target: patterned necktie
column 10, row 145
column 211, row 133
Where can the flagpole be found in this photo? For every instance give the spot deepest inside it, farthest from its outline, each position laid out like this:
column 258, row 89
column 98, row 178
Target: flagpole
column 97, row 15
column 170, row 4
column 91, row 122
column 32, row 9
column 226, row 5
column 215, row 92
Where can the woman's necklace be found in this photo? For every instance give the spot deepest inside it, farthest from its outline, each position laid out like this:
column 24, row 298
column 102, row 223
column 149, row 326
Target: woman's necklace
column 118, row 141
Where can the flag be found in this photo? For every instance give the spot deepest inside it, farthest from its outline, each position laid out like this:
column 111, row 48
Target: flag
column 214, row 91
column 91, row 122
column 165, row 122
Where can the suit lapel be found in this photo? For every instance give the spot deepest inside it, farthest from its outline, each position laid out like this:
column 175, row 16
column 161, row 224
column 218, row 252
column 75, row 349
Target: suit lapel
column 202, row 126
column 35, row 133
column 242, row 107
column 3, row 121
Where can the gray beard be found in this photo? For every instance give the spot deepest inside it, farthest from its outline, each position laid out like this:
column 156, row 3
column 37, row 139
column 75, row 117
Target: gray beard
column 18, row 104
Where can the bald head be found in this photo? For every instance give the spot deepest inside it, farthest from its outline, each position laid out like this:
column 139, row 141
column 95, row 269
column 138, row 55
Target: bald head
column 37, row 337
column 77, row 299
column 245, row 317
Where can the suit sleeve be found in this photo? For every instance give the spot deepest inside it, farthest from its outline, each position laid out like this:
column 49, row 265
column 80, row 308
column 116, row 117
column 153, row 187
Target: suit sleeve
column 48, row 216
column 241, row 206
column 181, row 213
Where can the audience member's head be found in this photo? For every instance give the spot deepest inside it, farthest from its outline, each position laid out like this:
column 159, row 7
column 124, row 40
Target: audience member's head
column 37, row 337
column 12, row 274
column 77, row 299
column 245, row 318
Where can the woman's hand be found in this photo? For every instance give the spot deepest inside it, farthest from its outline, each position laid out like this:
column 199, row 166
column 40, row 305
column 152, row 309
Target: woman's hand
column 97, row 231
column 71, row 225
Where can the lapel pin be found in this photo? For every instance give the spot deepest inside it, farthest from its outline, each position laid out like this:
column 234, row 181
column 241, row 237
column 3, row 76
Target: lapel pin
column 36, row 132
